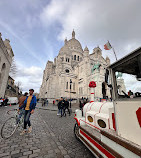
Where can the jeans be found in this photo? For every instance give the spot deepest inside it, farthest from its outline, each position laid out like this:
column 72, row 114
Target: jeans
column 27, row 118
column 63, row 112
column 21, row 113
column 59, row 111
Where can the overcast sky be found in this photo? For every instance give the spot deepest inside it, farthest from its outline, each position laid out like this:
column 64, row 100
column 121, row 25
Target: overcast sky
column 37, row 29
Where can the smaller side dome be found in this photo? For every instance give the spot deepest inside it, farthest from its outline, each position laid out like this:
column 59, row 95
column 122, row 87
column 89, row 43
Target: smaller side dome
column 86, row 49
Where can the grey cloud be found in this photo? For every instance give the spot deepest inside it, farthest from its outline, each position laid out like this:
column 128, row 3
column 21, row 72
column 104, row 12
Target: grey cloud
column 30, row 77
column 97, row 21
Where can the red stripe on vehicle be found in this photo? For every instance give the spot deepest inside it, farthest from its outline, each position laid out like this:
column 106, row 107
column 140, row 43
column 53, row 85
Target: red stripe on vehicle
column 104, row 151
column 114, row 122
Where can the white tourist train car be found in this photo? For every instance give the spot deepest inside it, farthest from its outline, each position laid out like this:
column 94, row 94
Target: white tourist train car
column 113, row 129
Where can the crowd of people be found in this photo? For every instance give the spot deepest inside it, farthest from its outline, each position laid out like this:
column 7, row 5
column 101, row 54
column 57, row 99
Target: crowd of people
column 44, row 101
column 3, row 101
column 27, row 104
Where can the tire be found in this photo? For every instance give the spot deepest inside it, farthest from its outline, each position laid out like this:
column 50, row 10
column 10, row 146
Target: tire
column 9, row 128
column 76, row 131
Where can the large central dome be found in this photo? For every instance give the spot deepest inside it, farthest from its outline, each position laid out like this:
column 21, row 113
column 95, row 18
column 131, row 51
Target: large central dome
column 71, row 45
column 74, row 43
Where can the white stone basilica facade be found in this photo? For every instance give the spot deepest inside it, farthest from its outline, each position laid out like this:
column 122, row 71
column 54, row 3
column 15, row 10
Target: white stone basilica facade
column 75, row 64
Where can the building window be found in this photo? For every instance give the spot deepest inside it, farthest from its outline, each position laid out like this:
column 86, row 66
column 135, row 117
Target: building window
column 74, row 57
column 79, row 90
column 67, row 71
column 74, row 86
column 67, row 85
column 67, row 59
column 78, row 58
column 70, row 86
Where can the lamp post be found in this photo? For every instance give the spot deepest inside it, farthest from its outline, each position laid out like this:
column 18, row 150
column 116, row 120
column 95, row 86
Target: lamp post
column 70, row 92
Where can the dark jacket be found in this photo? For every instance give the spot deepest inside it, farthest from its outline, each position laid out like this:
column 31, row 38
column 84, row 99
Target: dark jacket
column 66, row 104
column 61, row 104
column 32, row 103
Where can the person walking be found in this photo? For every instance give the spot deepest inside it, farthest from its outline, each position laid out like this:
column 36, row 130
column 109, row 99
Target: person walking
column 29, row 107
column 43, row 102
column 63, row 108
column 47, row 102
column 5, row 101
column 66, row 107
column 21, row 102
column 22, row 99
column 59, row 106
column 80, row 105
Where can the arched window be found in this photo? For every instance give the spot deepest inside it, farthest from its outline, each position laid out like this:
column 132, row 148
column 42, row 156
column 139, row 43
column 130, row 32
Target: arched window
column 67, row 85
column 74, row 57
column 67, row 71
column 2, row 73
column 78, row 58
column 68, row 59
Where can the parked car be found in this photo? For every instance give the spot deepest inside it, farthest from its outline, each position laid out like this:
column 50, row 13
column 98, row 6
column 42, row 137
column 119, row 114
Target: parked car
column 12, row 100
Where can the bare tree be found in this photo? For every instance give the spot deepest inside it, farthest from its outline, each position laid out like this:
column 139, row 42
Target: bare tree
column 13, row 68
column 19, row 84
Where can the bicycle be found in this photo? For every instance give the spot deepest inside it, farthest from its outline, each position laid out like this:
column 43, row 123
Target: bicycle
column 12, row 124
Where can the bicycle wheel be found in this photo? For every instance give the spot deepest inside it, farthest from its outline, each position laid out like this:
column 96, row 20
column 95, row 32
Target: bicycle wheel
column 9, row 127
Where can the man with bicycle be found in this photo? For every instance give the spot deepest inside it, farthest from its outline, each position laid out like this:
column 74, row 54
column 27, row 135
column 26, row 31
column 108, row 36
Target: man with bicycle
column 29, row 106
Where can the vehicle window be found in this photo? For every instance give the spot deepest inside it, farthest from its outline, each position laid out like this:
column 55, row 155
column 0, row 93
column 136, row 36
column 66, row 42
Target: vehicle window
column 128, row 86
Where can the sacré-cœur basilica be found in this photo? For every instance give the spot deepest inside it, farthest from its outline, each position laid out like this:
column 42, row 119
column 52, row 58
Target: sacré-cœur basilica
column 72, row 70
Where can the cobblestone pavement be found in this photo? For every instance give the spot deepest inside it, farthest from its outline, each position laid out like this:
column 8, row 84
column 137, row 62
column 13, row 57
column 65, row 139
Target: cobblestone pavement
column 52, row 137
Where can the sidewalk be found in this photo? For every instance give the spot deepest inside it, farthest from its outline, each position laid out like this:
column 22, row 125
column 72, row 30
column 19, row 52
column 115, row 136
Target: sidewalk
column 52, row 107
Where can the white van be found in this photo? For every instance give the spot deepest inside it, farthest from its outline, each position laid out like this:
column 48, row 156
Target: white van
column 12, row 100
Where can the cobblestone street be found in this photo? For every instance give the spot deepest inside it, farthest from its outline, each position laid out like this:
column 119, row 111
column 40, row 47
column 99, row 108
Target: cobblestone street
column 52, row 137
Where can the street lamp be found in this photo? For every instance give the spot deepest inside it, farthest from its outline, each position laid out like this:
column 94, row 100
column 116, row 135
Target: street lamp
column 70, row 92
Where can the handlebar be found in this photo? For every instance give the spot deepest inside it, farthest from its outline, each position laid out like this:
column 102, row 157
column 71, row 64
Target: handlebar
column 8, row 112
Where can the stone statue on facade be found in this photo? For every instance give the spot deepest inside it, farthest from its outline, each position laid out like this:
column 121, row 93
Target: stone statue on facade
column 96, row 67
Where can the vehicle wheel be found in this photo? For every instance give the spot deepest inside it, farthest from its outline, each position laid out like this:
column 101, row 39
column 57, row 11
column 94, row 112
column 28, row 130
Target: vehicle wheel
column 76, row 131
column 9, row 127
